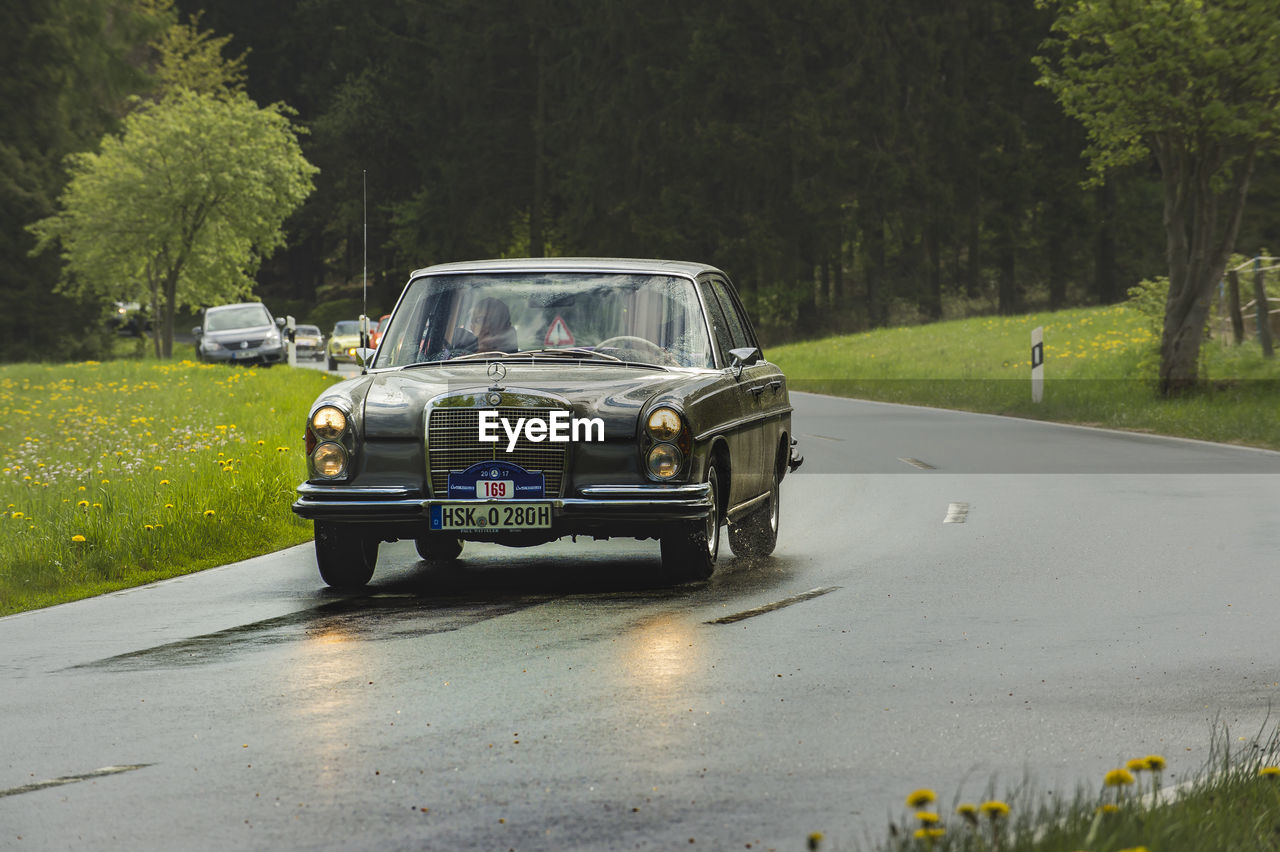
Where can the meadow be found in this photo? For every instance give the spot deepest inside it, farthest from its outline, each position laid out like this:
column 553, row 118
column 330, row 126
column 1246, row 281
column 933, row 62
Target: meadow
column 121, row 473
column 1100, row 369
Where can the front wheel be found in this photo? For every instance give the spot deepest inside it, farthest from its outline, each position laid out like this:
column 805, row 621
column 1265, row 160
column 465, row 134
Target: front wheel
column 346, row 558
column 757, row 533
column 689, row 550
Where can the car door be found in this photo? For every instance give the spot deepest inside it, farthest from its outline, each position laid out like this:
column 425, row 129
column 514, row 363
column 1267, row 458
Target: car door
column 743, row 430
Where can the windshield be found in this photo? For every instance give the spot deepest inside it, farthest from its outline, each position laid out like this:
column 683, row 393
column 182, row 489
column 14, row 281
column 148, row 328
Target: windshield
column 653, row 319
column 347, row 327
column 241, row 316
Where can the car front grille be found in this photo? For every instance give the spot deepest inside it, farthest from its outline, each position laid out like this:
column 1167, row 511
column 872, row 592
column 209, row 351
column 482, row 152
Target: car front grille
column 453, row 445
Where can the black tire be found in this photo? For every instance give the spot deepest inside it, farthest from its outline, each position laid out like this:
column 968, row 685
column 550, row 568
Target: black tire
column 346, row 557
column 757, row 533
column 439, row 548
column 689, row 550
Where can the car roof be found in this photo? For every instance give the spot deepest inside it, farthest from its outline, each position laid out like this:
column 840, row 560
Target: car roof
column 236, row 305
column 572, row 264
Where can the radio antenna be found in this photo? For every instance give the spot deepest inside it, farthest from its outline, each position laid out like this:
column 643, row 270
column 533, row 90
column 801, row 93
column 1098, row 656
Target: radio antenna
column 364, row 189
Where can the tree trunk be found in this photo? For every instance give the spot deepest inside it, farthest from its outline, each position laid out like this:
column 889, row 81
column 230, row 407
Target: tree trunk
column 1010, row 301
column 167, row 309
column 1104, row 247
column 1200, row 229
column 537, row 241
column 931, row 304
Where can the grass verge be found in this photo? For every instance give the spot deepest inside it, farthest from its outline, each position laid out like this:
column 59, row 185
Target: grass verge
column 1099, row 370
column 1232, row 804
column 121, row 473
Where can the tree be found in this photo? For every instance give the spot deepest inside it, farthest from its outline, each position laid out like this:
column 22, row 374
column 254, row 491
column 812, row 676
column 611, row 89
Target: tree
column 181, row 207
column 1197, row 84
column 67, row 68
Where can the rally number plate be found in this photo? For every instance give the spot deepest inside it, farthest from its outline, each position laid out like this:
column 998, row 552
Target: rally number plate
column 482, row 517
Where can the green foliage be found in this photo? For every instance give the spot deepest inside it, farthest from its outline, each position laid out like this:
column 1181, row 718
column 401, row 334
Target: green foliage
column 326, row 314
column 122, row 473
column 1182, row 76
column 1196, row 84
column 191, row 58
column 179, row 209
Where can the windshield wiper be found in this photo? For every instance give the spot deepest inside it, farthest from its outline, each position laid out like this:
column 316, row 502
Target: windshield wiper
column 572, row 352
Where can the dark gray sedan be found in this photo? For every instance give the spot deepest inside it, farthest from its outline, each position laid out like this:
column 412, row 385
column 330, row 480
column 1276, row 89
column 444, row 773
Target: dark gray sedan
column 519, row 401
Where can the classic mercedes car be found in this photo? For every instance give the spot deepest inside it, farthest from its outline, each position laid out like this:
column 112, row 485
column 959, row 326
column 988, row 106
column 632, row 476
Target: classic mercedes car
column 520, row 401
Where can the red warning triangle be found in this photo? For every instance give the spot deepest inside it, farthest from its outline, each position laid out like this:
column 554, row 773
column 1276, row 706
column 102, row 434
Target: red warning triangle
column 558, row 334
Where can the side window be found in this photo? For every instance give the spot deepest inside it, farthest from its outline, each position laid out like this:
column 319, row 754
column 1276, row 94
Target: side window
column 737, row 329
column 720, row 330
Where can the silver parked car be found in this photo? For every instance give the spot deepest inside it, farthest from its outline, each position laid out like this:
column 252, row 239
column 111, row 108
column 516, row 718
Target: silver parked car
column 244, row 333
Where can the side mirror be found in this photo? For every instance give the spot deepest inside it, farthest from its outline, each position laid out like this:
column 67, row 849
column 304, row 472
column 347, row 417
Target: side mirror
column 743, row 357
column 280, row 322
column 197, row 331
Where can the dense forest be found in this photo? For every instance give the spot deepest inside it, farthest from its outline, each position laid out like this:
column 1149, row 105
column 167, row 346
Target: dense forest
column 849, row 164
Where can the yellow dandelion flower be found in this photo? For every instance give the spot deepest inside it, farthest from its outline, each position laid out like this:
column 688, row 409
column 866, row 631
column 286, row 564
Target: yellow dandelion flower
column 1135, row 849
column 164, row 482
column 1270, row 772
column 926, row 817
column 815, row 839
column 97, row 505
column 930, row 833
column 1137, row 764
column 157, row 467
column 921, row 797
column 1118, row 778
column 106, row 482
column 969, row 812
column 209, row 513
column 262, row 443
column 1155, row 763
column 148, row 527
column 83, row 504
column 77, row 538
column 994, row 809
column 168, row 505
column 17, row 516
column 81, row 488
column 1108, row 808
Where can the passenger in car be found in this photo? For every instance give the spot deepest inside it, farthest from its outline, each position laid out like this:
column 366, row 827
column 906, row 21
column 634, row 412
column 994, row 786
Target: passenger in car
column 491, row 324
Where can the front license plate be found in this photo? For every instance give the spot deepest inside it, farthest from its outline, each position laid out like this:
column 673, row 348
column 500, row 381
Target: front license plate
column 242, row 355
column 479, row 517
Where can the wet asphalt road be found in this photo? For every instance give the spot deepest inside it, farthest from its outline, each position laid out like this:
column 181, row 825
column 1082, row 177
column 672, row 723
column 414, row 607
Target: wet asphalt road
column 1106, row 596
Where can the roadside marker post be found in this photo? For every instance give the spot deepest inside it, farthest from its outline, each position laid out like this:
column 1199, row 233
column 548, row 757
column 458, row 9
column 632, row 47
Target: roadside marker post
column 290, row 327
column 1037, row 364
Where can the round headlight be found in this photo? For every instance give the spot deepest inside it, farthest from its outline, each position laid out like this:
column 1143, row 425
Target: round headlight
column 328, row 423
column 330, row 460
column 664, row 461
column 664, row 424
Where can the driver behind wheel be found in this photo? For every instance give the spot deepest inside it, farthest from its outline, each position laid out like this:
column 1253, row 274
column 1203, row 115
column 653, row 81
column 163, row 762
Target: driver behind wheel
column 491, row 324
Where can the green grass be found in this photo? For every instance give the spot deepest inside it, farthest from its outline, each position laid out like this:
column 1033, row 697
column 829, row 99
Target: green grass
column 1232, row 803
column 1099, row 370
column 121, row 473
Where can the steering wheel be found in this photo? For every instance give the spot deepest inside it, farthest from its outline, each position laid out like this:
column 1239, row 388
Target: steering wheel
column 640, row 346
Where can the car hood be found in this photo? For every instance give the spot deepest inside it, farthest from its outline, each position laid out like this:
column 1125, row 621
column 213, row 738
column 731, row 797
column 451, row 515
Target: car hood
column 251, row 333
column 392, row 403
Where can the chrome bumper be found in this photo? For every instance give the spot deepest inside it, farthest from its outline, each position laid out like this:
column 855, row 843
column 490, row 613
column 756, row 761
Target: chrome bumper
column 598, row 504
